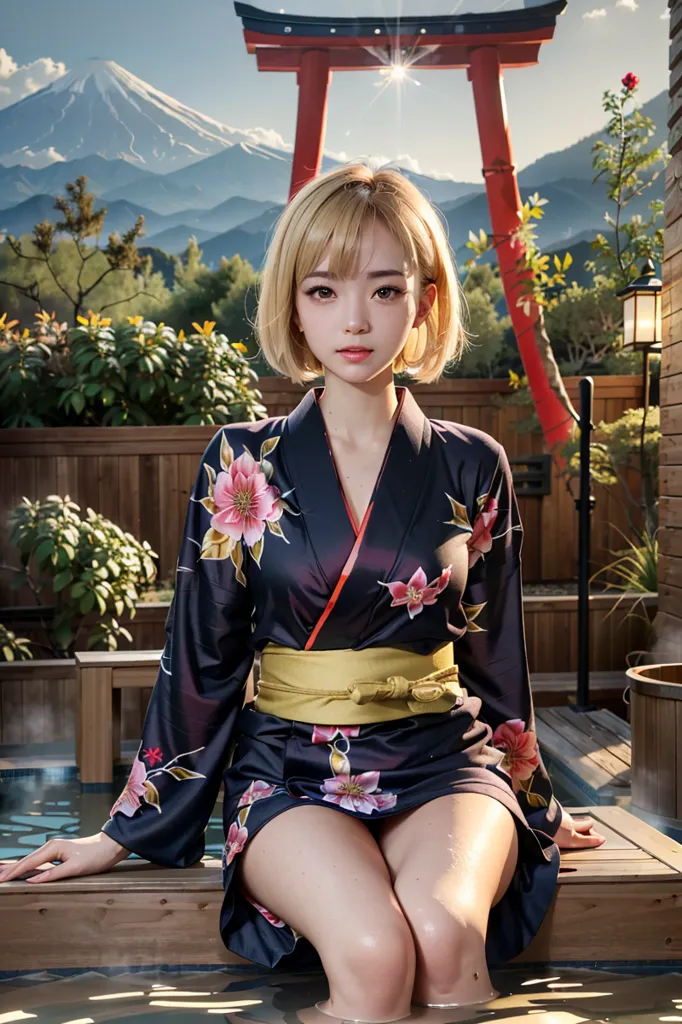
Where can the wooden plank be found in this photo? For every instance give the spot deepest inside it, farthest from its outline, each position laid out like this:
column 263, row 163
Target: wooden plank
column 596, row 734
column 584, row 743
column 561, row 750
column 646, row 837
column 612, row 723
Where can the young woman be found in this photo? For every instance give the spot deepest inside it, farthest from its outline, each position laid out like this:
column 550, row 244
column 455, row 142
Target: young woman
column 386, row 810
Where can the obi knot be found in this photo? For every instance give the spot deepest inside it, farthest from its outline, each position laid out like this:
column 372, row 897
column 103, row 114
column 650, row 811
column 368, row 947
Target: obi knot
column 422, row 691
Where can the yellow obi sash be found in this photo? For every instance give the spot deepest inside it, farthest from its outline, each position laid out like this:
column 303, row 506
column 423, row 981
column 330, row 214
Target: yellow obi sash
column 349, row 687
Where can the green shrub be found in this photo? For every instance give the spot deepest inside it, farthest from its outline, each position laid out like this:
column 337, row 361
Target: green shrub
column 137, row 374
column 91, row 565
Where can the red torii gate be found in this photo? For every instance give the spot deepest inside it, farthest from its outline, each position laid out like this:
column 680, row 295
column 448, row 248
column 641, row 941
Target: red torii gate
column 484, row 44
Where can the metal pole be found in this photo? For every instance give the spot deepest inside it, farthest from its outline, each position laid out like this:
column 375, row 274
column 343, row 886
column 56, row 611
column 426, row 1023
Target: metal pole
column 584, row 504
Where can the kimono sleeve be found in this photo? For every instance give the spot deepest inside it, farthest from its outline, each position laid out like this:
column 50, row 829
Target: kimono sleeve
column 166, row 804
column 492, row 652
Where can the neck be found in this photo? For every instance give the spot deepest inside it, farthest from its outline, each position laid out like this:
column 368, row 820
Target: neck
column 359, row 412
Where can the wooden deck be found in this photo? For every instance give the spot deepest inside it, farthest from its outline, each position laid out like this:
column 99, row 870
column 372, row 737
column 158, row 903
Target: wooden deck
column 589, row 752
column 621, row 902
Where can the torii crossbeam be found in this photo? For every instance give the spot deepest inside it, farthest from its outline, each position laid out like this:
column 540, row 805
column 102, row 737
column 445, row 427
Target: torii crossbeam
column 483, row 44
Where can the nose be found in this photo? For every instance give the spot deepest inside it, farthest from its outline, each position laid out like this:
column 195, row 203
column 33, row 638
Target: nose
column 356, row 324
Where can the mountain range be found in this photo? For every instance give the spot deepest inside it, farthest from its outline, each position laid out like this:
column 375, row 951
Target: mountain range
column 145, row 153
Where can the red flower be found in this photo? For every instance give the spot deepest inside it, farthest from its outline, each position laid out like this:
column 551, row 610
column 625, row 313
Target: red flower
column 631, row 81
column 153, row 755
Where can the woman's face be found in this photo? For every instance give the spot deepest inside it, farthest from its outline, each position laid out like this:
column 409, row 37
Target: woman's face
column 356, row 327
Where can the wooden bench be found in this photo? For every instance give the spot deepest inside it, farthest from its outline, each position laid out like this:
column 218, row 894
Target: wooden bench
column 589, row 752
column 620, row 902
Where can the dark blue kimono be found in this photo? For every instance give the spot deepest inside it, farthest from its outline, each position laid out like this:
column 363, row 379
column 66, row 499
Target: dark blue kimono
column 270, row 554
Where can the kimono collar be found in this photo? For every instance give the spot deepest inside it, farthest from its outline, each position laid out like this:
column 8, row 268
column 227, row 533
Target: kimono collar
column 319, row 496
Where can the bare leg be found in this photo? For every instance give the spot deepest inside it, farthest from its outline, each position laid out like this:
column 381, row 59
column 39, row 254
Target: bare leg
column 322, row 872
column 450, row 861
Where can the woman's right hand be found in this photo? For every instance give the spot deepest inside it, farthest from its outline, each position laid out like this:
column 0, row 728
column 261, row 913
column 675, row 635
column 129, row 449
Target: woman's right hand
column 89, row 855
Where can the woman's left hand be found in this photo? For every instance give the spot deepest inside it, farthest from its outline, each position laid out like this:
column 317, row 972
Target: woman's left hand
column 573, row 834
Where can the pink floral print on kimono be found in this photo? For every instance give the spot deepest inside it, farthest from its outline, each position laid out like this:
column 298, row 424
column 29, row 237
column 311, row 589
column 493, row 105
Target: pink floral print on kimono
column 236, row 840
column 481, row 540
column 417, row 593
column 328, row 733
column 521, row 757
column 242, row 504
column 139, row 786
column 358, row 793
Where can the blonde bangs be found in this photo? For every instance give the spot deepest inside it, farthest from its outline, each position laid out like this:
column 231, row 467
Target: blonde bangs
column 329, row 214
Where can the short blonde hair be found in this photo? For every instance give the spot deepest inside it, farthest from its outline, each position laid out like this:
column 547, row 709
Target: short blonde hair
column 334, row 208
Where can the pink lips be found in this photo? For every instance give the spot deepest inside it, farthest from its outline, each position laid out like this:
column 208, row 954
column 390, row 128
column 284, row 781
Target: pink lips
column 355, row 354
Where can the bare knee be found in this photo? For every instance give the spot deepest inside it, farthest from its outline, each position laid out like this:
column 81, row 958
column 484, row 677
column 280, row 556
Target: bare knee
column 450, row 954
column 371, row 970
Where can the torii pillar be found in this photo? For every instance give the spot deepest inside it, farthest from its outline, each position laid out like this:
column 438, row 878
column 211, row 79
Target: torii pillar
column 483, row 44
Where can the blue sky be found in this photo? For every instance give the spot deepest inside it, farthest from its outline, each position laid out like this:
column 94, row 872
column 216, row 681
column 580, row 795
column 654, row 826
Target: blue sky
column 196, row 53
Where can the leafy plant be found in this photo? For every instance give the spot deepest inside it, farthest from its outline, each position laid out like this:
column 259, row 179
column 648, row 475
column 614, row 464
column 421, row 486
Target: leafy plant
column 13, row 647
column 140, row 373
column 629, row 167
column 81, row 222
column 636, row 570
column 616, row 451
column 91, row 565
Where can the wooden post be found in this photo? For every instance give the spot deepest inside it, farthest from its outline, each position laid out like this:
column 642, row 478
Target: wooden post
column 313, row 77
column 96, row 740
column 668, row 646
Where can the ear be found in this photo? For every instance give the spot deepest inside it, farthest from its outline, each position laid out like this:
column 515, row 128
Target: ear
column 428, row 297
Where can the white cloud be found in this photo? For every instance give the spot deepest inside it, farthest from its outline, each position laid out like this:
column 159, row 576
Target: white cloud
column 598, row 12
column 17, row 82
column 629, row 5
column 28, row 158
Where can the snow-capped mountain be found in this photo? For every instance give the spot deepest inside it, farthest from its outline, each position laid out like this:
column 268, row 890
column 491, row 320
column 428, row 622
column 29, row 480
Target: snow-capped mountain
column 99, row 107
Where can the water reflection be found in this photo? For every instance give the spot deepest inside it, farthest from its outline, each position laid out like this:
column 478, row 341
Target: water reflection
column 282, row 997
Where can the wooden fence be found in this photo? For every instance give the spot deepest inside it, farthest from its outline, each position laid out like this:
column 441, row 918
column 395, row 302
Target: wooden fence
column 669, row 647
column 140, row 477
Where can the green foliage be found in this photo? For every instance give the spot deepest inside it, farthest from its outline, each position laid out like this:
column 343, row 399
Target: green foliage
column 635, row 568
column 75, row 268
column 585, row 325
column 540, row 279
column 629, row 167
column 91, row 565
column 118, row 292
column 619, row 448
column 636, row 571
column 140, row 373
column 226, row 294
column 487, row 350
column 13, row 647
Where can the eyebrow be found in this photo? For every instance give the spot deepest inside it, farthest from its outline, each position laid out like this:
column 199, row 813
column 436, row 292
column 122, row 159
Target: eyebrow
column 371, row 273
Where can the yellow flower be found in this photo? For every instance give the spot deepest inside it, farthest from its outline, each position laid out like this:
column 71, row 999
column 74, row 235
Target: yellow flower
column 26, row 333
column 181, row 335
column 206, row 330
column 44, row 316
column 6, row 326
column 95, row 320
column 239, row 346
column 135, row 320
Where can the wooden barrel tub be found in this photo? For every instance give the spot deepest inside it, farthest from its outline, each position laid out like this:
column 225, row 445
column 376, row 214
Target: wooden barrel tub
column 656, row 720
